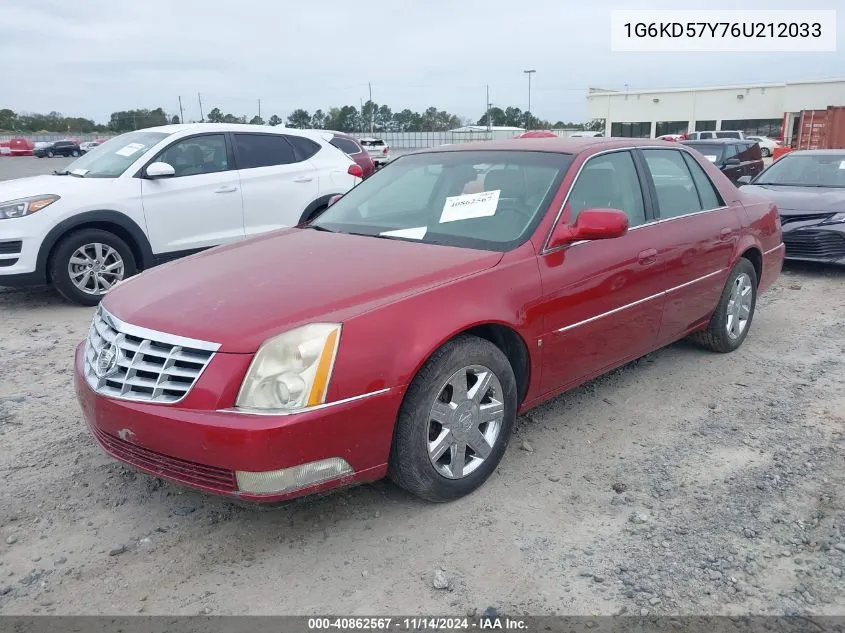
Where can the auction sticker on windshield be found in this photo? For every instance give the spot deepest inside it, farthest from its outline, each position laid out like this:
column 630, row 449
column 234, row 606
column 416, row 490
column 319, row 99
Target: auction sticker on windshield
column 473, row 205
column 711, row 158
column 132, row 148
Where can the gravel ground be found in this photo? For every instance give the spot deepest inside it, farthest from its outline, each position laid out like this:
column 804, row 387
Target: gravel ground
column 683, row 483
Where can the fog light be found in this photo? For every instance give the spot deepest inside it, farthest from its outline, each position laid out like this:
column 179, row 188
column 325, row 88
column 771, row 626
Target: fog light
column 288, row 479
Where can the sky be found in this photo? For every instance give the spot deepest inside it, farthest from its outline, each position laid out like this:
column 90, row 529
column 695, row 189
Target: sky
column 92, row 57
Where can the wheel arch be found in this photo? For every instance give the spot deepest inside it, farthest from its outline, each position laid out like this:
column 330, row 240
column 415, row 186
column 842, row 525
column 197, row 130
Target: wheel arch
column 322, row 201
column 755, row 256
column 113, row 221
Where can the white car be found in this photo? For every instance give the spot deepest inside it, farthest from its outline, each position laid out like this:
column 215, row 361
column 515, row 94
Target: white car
column 767, row 145
column 153, row 195
column 712, row 134
column 87, row 146
column 378, row 150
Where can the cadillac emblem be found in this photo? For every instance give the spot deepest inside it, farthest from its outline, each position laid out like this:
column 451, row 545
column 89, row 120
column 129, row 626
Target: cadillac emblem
column 106, row 363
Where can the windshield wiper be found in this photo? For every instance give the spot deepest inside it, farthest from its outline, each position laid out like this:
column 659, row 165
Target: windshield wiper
column 317, row 227
column 794, row 184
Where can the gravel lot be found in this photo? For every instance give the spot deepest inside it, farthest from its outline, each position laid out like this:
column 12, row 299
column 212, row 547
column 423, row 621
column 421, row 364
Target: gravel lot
column 684, row 483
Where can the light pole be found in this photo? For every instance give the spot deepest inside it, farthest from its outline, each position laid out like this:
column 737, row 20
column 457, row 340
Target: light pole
column 529, row 73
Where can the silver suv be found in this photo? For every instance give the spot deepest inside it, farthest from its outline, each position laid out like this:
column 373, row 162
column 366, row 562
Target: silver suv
column 377, row 149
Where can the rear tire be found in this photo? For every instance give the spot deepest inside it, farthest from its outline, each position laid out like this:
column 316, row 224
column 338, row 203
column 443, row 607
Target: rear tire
column 455, row 421
column 766, row 152
column 74, row 153
column 115, row 263
column 50, row 154
column 731, row 321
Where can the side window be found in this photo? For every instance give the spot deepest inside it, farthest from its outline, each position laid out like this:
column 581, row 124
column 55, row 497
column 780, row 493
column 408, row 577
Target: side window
column 710, row 198
column 609, row 181
column 730, row 151
column 345, row 145
column 305, row 148
column 197, row 155
column 673, row 183
column 263, row 150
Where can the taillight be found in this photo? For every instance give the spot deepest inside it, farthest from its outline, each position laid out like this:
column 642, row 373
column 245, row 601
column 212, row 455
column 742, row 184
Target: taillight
column 386, row 148
column 355, row 170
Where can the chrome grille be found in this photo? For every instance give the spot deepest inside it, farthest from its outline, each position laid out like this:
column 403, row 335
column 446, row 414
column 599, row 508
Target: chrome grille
column 134, row 363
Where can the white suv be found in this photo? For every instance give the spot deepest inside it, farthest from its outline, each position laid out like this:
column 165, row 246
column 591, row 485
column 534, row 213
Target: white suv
column 153, row 195
column 377, row 149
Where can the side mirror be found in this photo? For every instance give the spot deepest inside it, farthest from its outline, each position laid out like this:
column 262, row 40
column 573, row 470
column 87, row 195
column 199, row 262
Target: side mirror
column 732, row 162
column 743, row 180
column 591, row 224
column 160, row 170
column 334, row 199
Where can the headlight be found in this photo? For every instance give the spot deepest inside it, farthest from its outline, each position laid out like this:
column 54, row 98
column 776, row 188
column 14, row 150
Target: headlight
column 25, row 206
column 835, row 219
column 292, row 370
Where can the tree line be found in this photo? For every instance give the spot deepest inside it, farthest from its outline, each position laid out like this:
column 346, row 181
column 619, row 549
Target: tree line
column 370, row 117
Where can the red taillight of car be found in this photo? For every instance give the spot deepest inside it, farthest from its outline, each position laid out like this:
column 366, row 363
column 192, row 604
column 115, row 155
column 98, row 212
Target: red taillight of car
column 355, row 170
column 386, row 148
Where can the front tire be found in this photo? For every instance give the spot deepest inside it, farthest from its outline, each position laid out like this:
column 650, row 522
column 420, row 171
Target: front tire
column 732, row 318
column 50, row 154
column 74, row 153
column 455, row 421
column 87, row 263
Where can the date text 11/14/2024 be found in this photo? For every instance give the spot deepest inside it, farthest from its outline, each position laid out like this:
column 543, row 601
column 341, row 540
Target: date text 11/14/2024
column 417, row 623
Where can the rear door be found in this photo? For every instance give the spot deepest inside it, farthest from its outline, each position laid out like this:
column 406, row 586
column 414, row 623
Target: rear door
column 697, row 240
column 198, row 207
column 751, row 157
column 276, row 184
column 602, row 299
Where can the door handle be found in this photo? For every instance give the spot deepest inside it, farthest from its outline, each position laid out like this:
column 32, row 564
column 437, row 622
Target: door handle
column 648, row 256
column 725, row 234
column 303, row 179
column 226, row 189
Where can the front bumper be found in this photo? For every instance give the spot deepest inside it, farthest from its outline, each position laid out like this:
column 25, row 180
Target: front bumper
column 204, row 449
column 20, row 241
column 815, row 242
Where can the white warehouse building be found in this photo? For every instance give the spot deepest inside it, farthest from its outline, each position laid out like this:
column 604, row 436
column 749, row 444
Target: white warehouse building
column 760, row 109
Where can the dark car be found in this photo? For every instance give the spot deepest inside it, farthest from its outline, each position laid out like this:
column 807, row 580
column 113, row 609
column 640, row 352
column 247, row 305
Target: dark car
column 809, row 190
column 735, row 158
column 353, row 149
column 59, row 148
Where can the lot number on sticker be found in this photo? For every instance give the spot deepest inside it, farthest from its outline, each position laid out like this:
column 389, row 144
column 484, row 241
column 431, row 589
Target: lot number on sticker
column 128, row 150
column 473, row 205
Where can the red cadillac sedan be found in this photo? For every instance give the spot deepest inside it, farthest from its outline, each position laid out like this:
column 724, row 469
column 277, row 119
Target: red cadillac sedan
column 402, row 331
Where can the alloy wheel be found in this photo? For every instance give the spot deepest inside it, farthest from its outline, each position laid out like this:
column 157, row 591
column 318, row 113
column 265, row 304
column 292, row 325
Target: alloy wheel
column 465, row 421
column 95, row 268
column 739, row 306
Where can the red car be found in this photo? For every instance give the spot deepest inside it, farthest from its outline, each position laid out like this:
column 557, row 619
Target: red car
column 352, row 148
column 403, row 330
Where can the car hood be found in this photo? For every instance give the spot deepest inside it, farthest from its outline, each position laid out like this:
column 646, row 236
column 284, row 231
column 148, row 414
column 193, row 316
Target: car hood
column 798, row 200
column 242, row 294
column 41, row 185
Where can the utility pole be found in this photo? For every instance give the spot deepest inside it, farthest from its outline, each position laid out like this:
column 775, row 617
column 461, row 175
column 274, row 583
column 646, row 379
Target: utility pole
column 259, row 108
column 372, row 108
column 488, row 109
column 202, row 116
column 529, row 73
column 181, row 114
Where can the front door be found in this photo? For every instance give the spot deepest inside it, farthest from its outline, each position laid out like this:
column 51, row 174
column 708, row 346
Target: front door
column 199, row 206
column 602, row 299
column 697, row 241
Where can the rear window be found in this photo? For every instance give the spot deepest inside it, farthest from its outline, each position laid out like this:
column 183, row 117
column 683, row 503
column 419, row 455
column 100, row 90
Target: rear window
column 712, row 151
column 305, row 148
column 372, row 143
column 263, row 150
column 346, row 145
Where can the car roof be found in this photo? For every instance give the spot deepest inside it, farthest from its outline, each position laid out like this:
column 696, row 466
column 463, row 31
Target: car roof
column 562, row 145
column 189, row 128
column 716, row 141
column 369, row 138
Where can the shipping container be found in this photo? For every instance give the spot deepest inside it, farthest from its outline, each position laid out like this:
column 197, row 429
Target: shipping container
column 821, row 129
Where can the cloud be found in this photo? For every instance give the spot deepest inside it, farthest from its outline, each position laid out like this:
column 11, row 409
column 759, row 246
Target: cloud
column 94, row 57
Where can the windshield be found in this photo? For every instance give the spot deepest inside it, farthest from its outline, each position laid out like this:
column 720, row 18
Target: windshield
column 113, row 157
column 806, row 170
column 490, row 200
column 712, row 151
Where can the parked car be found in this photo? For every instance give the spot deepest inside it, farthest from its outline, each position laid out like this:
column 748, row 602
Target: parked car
column 87, row 146
column 714, row 134
column 672, row 137
column 271, row 368
column 377, row 149
column 156, row 194
column 735, row 158
column 767, row 145
column 352, row 148
column 808, row 187
column 58, row 148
